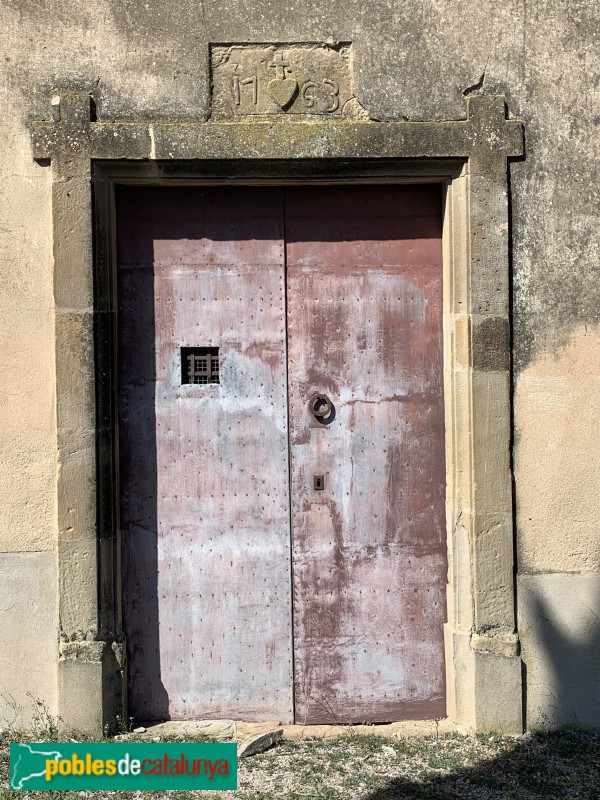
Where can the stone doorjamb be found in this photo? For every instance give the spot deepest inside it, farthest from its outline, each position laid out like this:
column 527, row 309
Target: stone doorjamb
column 470, row 157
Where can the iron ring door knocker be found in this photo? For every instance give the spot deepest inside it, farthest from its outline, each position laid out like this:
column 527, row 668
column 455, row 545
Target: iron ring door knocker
column 321, row 407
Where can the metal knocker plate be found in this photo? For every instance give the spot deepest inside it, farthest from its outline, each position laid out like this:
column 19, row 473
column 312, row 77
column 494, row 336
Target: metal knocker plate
column 321, row 406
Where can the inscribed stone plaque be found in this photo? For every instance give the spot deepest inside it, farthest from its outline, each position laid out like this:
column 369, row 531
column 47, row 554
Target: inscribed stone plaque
column 291, row 79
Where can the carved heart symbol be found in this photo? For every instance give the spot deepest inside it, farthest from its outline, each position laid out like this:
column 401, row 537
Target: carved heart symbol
column 282, row 91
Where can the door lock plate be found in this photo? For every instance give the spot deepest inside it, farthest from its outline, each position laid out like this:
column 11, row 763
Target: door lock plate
column 319, row 482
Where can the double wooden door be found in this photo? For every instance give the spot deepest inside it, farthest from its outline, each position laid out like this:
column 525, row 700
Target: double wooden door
column 281, row 450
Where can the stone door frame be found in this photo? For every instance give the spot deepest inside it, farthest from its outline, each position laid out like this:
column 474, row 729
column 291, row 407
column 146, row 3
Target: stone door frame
column 469, row 157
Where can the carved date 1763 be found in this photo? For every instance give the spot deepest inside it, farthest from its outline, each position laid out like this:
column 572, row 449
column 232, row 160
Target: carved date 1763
column 293, row 79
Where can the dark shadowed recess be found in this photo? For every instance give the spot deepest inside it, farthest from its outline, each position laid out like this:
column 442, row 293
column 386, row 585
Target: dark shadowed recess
column 349, row 213
column 136, row 383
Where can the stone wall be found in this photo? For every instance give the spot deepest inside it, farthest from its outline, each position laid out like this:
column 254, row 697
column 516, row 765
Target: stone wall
column 413, row 61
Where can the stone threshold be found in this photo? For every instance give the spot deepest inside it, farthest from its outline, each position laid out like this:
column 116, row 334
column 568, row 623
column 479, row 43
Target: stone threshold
column 238, row 730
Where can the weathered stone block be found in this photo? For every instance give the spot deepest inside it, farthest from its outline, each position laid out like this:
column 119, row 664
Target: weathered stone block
column 488, row 242
column 78, row 571
column 80, row 693
column 493, row 573
column 76, row 487
column 273, row 79
column 73, row 243
column 497, row 693
column 490, row 343
column 76, row 407
column 89, row 686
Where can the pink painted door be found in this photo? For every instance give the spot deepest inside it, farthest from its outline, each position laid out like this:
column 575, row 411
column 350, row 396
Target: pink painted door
column 207, row 549
column 369, row 563
column 204, row 465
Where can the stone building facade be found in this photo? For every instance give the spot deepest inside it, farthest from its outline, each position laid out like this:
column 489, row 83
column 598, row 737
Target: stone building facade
column 498, row 106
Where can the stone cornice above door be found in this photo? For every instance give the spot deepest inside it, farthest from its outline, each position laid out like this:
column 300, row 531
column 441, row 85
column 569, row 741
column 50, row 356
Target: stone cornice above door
column 485, row 138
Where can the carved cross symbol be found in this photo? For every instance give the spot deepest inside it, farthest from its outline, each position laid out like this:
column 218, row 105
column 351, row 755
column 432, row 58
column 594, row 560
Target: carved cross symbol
column 280, row 66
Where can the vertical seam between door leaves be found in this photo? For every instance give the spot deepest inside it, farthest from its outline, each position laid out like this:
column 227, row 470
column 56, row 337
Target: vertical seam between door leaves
column 289, row 444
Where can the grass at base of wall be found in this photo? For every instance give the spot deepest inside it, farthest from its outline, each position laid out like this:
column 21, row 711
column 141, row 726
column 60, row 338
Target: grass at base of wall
column 561, row 764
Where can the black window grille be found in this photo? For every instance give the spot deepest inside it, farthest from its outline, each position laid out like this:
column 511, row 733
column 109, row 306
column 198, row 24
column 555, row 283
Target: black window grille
column 200, row 365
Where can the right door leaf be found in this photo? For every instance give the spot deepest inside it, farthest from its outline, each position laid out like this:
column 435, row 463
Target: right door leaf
column 364, row 271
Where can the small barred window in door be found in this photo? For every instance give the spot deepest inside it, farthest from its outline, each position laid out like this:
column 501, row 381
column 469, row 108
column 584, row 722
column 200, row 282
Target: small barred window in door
column 200, row 365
